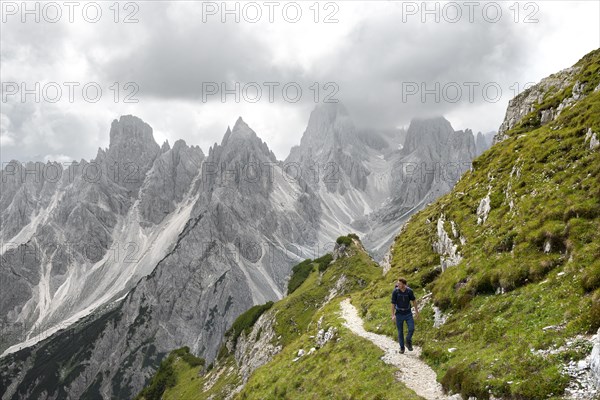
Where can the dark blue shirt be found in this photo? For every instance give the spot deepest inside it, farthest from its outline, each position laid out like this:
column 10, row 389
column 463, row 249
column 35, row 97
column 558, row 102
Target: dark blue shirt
column 402, row 300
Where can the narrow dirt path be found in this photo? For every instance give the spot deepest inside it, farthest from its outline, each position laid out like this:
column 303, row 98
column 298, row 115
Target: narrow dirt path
column 413, row 372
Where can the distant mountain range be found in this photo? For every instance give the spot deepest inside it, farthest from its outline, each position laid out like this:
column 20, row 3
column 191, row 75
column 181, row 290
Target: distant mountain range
column 158, row 247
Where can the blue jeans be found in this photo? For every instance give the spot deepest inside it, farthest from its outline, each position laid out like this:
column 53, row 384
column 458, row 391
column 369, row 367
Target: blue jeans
column 410, row 322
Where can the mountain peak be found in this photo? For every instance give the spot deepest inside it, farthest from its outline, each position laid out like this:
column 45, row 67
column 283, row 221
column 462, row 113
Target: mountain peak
column 329, row 126
column 242, row 128
column 331, row 110
column 423, row 131
column 128, row 129
column 240, row 140
column 240, row 131
column 132, row 144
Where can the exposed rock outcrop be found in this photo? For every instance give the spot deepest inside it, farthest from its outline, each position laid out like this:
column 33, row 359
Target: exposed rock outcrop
column 526, row 102
column 445, row 247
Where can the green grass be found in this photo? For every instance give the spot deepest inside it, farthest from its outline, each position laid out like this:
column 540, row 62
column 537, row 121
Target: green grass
column 168, row 373
column 556, row 200
column 347, row 367
column 192, row 381
column 294, row 312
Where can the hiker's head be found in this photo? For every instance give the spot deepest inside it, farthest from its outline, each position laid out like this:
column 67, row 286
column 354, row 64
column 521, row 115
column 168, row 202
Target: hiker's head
column 401, row 283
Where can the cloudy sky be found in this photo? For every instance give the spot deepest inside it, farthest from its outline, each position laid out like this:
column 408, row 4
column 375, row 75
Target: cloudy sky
column 387, row 61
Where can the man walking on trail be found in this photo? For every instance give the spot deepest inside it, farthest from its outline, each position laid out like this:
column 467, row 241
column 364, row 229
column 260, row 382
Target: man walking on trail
column 401, row 298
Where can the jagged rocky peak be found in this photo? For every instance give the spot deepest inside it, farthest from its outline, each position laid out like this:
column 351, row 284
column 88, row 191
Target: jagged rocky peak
column 129, row 132
column 131, row 152
column 426, row 132
column 169, row 180
column 329, row 126
column 241, row 143
column 242, row 130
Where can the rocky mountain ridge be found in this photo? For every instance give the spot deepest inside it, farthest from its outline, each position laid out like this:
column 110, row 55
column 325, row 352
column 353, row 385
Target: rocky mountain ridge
column 205, row 228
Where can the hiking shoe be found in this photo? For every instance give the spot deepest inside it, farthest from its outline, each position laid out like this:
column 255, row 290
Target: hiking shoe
column 401, row 350
column 409, row 346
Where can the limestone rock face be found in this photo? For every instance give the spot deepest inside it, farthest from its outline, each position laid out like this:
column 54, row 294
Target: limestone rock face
column 525, row 102
column 483, row 141
column 168, row 181
column 74, row 233
column 258, row 347
column 371, row 181
column 236, row 231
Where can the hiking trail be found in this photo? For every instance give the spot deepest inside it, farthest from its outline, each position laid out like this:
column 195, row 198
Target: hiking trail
column 413, row 372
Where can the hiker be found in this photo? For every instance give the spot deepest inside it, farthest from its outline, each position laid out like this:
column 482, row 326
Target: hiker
column 401, row 298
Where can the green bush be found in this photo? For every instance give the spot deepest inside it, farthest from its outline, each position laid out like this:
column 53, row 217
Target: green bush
column 344, row 240
column 190, row 359
column 245, row 321
column 353, row 236
column 161, row 381
column 299, row 274
column 323, row 262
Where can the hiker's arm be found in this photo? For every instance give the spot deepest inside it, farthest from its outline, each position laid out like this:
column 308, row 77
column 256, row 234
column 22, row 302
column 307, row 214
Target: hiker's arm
column 393, row 312
column 416, row 307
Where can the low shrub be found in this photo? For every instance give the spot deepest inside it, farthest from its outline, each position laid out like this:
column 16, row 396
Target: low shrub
column 299, row 274
column 246, row 321
column 324, row 261
column 344, row 240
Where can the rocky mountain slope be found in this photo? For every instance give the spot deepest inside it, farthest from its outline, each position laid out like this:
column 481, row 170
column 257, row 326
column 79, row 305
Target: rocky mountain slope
column 370, row 182
column 78, row 238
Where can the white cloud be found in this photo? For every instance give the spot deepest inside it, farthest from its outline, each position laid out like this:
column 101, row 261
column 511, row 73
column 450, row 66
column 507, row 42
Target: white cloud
column 370, row 53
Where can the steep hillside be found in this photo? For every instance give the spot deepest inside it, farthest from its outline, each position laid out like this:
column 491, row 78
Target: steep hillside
column 506, row 267
column 508, row 263
column 295, row 348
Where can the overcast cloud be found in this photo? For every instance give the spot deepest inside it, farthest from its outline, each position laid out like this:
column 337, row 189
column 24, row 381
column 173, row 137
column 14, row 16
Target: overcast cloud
column 371, row 54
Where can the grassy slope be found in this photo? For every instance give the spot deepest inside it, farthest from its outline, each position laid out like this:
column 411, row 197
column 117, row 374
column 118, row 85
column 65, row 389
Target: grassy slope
column 557, row 199
column 347, row 369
